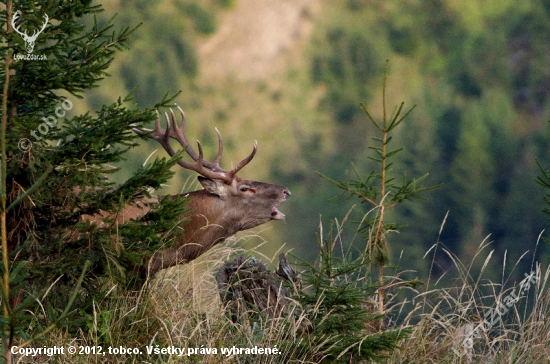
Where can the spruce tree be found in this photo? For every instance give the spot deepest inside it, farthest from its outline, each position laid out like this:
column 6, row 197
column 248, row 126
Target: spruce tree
column 56, row 168
column 337, row 300
column 381, row 191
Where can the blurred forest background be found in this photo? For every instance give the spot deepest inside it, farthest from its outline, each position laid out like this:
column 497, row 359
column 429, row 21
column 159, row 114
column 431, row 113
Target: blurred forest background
column 292, row 73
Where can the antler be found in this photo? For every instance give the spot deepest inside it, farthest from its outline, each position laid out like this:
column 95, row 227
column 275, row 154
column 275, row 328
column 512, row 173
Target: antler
column 30, row 40
column 13, row 20
column 207, row 169
column 37, row 32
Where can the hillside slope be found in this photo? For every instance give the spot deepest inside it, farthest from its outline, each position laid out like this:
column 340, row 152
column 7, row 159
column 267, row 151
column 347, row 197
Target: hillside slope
column 254, row 37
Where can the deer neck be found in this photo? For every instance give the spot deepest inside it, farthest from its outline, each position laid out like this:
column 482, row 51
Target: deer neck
column 209, row 220
column 207, row 224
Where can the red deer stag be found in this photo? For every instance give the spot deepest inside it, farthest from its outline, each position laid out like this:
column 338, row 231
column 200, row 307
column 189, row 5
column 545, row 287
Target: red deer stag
column 226, row 205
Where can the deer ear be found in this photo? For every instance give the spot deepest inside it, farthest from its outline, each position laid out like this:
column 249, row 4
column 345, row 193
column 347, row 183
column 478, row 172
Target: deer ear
column 214, row 186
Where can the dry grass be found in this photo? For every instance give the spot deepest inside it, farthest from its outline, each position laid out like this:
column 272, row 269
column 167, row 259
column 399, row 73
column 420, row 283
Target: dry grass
column 480, row 321
column 181, row 307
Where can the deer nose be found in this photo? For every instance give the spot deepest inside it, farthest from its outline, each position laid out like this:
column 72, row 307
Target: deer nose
column 286, row 193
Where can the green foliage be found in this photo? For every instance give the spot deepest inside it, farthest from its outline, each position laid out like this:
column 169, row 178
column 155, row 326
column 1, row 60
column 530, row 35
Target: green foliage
column 380, row 189
column 338, row 302
column 164, row 50
column 346, row 68
column 544, row 180
column 61, row 177
column 204, row 20
column 476, row 69
column 227, row 4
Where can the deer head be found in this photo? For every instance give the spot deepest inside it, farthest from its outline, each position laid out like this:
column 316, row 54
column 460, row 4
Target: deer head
column 28, row 39
column 226, row 205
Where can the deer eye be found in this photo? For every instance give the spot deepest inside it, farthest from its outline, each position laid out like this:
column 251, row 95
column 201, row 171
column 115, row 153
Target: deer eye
column 244, row 189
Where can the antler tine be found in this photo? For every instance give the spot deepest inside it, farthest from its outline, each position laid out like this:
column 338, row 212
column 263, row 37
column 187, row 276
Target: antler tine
column 163, row 137
column 145, row 130
column 245, row 161
column 37, row 32
column 205, row 168
column 200, row 160
column 159, row 134
column 45, row 23
column 13, row 20
column 220, row 148
column 180, row 135
column 157, row 122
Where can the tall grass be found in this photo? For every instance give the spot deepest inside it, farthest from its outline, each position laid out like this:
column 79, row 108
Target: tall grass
column 478, row 320
column 181, row 307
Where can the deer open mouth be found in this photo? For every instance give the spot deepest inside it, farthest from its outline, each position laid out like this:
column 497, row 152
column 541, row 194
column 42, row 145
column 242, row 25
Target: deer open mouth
column 275, row 213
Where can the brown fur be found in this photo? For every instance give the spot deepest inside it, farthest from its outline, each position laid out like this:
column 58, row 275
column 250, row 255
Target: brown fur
column 213, row 217
column 216, row 213
column 225, row 206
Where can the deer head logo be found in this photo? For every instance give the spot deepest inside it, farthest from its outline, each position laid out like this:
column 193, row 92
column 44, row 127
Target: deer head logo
column 28, row 39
